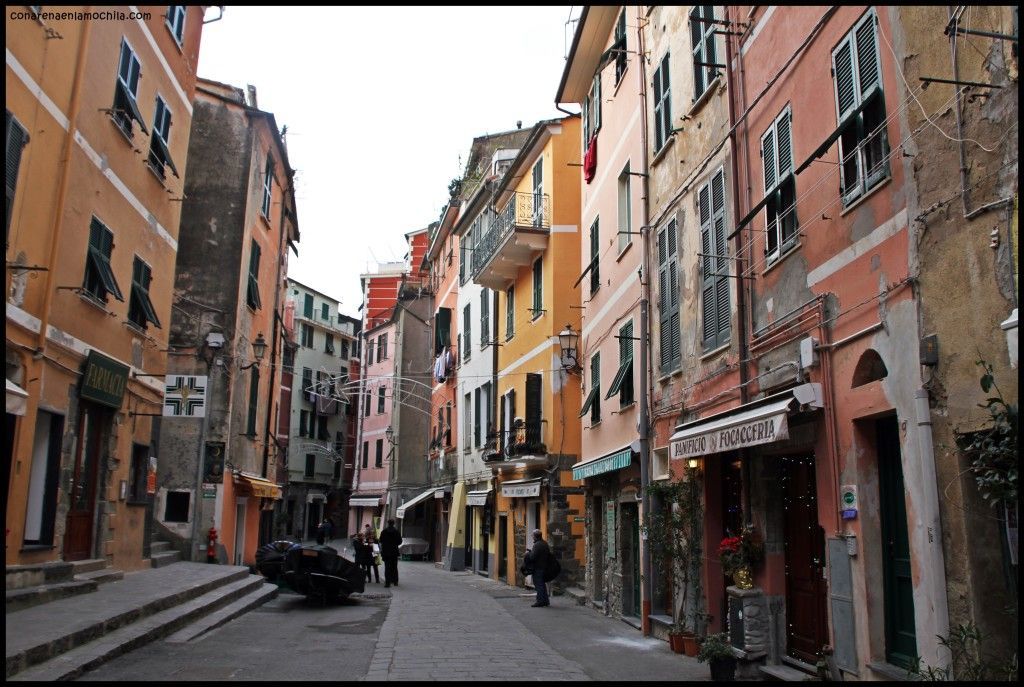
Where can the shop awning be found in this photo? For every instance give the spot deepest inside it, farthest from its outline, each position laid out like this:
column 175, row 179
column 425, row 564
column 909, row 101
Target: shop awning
column 413, row 501
column 364, row 501
column 764, row 424
column 477, row 498
column 16, row 398
column 597, row 466
column 519, row 488
column 258, row 486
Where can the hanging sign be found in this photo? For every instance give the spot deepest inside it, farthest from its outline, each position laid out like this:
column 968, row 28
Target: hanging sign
column 104, row 380
column 185, row 396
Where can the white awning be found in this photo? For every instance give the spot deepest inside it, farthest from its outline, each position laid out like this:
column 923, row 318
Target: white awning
column 16, row 397
column 518, row 488
column 413, row 501
column 477, row 498
column 364, row 501
column 763, row 424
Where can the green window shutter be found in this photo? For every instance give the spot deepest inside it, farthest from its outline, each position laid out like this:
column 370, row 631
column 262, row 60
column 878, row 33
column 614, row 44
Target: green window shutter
column 597, row 102
column 869, row 77
column 623, row 380
column 842, row 67
column 668, row 301
column 510, row 317
column 442, row 329
column 533, row 406
column 595, row 257
column 485, row 318
column 253, row 294
column 708, row 307
column 467, row 338
column 140, row 307
column 476, row 417
column 538, row 295
column 768, row 159
column 254, row 396
column 17, row 138
column 593, row 400
column 721, row 248
column 784, row 143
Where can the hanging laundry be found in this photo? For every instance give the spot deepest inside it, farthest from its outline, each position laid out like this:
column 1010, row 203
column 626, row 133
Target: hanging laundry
column 590, row 160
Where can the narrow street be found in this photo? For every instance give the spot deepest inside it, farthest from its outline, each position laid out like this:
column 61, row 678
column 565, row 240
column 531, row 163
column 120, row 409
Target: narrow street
column 435, row 625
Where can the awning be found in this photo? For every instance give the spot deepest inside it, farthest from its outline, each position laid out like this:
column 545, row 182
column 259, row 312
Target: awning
column 519, row 488
column 258, row 486
column 477, row 498
column 364, row 501
column 413, row 501
column 16, row 397
column 763, row 424
column 597, row 466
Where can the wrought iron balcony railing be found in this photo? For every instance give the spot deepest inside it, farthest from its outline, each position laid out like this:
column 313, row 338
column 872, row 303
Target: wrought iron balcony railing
column 524, row 439
column 523, row 211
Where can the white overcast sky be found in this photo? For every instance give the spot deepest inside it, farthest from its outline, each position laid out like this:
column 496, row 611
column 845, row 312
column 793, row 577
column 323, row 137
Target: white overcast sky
column 381, row 103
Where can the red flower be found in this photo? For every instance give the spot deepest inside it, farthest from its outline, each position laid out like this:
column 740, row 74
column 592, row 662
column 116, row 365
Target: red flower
column 729, row 545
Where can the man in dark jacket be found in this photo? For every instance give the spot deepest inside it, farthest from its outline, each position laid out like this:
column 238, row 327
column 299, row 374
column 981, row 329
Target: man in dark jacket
column 539, row 559
column 390, row 540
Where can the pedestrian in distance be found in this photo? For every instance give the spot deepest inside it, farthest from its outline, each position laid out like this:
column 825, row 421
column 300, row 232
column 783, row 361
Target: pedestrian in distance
column 390, row 540
column 363, row 553
column 538, row 559
column 374, row 559
column 367, row 532
column 324, row 532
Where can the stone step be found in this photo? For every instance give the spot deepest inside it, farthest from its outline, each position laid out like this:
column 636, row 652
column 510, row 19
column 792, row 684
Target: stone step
column 577, row 595
column 263, row 593
column 101, row 576
column 159, row 547
column 69, row 665
column 35, row 635
column 159, row 560
column 79, row 567
column 20, row 599
column 35, row 575
column 784, row 673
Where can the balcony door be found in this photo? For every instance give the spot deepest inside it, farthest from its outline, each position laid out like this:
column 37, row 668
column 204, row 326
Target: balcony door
column 538, row 193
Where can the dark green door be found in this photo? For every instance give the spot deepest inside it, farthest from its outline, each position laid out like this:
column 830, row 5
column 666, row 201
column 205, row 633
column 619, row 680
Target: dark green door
column 900, row 636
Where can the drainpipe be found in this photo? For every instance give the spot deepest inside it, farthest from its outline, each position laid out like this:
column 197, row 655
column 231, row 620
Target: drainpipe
column 62, row 191
column 645, row 443
column 276, row 329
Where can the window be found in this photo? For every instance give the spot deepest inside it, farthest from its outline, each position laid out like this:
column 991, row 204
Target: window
column 534, row 407
column 593, row 400
column 625, row 211
column 595, row 256
column 442, row 329
column 307, row 383
column 537, row 183
column 366, row 454
column 592, row 111
column 860, row 109
column 486, row 414
column 705, row 57
column 466, row 327
column 622, row 384
column 714, row 262
column 510, row 312
column 448, row 424
column 380, row 400
column 17, row 139
column 140, row 307
column 338, row 445
column 369, row 351
column 329, row 343
column 538, row 294
column 662, row 105
column 176, row 21
column 139, row 472
column 382, row 347
column 668, row 298
column 176, row 507
column 126, row 91
column 253, row 292
column 322, row 433
column 268, row 180
column 619, row 46
column 476, row 417
column 485, row 318
column 99, row 277
column 378, row 461
column 344, row 349
column 306, row 333
column 325, row 311
column 779, row 186
column 307, row 306
column 310, row 466
column 160, row 141
column 304, row 423
column 254, row 399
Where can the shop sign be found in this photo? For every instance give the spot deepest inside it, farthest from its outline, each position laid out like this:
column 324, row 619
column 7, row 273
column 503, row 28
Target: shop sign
column 521, row 489
column 209, row 490
column 185, row 396
column 760, row 431
column 104, row 380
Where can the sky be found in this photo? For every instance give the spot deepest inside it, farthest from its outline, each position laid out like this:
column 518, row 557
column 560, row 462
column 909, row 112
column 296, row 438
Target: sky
column 381, row 105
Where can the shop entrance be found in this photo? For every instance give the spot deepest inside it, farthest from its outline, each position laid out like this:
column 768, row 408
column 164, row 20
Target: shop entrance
column 80, row 520
column 900, row 633
column 630, row 559
column 469, row 538
column 600, row 555
column 503, row 547
column 804, row 541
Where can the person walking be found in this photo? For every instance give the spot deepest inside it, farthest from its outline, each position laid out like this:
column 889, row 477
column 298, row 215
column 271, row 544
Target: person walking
column 374, row 558
column 539, row 560
column 390, row 540
column 364, row 555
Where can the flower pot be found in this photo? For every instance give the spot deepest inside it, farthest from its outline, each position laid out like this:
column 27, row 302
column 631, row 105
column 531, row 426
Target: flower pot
column 690, row 646
column 743, row 578
column 723, row 669
column 675, row 641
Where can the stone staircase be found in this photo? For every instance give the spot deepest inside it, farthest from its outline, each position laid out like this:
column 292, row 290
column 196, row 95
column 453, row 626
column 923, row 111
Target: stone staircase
column 31, row 585
column 95, row 570
column 160, row 554
column 62, row 639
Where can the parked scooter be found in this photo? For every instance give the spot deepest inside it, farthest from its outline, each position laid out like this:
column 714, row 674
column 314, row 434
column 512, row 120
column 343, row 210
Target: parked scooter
column 318, row 572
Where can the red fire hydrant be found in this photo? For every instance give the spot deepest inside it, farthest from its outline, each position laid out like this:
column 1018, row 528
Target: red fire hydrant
column 211, row 546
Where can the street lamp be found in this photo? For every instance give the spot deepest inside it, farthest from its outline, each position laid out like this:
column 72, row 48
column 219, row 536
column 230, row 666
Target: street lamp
column 568, row 339
column 390, row 434
column 259, row 347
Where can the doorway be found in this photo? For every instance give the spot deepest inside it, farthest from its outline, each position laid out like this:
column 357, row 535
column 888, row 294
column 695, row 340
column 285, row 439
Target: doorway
column 469, row 539
column 78, row 539
column 900, row 632
column 804, row 545
column 503, row 548
column 239, row 531
column 485, row 541
column 629, row 515
column 598, row 548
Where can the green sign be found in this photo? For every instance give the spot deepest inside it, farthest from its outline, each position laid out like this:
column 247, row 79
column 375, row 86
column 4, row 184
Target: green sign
column 614, row 461
column 104, row 380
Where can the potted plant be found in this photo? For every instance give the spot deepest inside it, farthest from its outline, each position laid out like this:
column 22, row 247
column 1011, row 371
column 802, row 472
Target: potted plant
column 739, row 554
column 674, row 531
column 716, row 651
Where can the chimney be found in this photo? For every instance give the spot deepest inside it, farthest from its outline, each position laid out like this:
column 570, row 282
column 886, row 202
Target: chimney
column 252, row 96
column 519, row 124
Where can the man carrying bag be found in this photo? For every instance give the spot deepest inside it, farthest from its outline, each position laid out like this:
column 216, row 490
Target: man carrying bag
column 543, row 566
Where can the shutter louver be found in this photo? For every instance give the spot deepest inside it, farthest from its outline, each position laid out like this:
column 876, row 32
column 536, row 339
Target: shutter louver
column 708, row 311
column 867, row 56
column 846, row 96
column 785, row 145
column 768, row 158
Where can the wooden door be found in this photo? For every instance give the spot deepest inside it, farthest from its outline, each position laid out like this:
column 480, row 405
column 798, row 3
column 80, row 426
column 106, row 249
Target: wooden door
column 630, row 559
column 78, row 534
column 900, row 632
column 503, row 547
column 806, row 620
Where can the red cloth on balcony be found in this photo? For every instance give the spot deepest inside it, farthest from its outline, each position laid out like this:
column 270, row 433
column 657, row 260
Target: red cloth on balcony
column 590, row 160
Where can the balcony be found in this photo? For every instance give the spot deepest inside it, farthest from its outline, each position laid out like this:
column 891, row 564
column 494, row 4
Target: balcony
column 520, row 231
column 523, row 441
